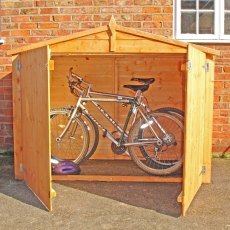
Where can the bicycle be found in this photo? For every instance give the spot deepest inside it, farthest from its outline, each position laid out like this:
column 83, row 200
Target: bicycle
column 149, row 141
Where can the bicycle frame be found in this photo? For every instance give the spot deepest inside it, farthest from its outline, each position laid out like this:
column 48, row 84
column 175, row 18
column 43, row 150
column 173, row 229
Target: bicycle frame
column 135, row 103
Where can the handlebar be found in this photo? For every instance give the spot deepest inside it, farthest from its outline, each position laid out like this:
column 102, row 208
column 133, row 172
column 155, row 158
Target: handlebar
column 75, row 82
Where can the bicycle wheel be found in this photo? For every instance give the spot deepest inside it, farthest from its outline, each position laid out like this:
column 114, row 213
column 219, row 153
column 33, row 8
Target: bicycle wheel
column 173, row 111
column 74, row 144
column 158, row 158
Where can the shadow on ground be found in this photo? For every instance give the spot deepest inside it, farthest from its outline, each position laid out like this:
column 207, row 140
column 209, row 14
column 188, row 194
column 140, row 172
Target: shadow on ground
column 14, row 188
column 161, row 197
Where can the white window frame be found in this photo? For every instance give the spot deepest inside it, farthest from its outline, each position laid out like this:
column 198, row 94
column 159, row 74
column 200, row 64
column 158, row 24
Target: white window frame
column 218, row 35
column 222, row 35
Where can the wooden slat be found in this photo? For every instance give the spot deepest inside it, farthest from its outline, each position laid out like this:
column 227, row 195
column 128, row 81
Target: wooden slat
column 57, row 40
column 35, row 123
column 116, row 178
column 194, row 131
column 208, row 121
column 82, row 46
column 146, row 46
column 17, row 119
column 113, row 39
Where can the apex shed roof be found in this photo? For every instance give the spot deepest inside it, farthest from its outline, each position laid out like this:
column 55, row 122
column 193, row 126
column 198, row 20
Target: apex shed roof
column 116, row 39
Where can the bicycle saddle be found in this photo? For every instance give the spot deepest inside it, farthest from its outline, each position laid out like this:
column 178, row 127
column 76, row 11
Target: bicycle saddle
column 147, row 81
column 142, row 88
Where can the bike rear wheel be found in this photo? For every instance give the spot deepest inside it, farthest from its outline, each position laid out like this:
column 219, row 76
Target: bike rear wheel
column 74, row 144
column 156, row 158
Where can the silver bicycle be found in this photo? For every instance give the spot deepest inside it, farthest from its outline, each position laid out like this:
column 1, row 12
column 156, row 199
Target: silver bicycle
column 154, row 141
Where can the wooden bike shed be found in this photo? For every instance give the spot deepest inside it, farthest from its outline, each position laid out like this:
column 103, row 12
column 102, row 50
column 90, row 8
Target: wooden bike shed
column 119, row 50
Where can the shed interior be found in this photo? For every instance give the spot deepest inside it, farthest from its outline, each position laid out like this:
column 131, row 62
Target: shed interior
column 109, row 74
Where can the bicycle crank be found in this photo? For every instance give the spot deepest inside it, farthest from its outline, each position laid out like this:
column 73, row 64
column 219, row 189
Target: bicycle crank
column 118, row 149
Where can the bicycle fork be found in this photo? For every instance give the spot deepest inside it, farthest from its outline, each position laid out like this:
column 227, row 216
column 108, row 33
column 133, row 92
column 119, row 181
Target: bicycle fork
column 73, row 114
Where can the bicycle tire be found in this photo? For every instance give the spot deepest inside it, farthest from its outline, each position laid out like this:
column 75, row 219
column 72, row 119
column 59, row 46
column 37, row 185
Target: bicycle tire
column 91, row 126
column 93, row 134
column 74, row 144
column 173, row 111
column 168, row 161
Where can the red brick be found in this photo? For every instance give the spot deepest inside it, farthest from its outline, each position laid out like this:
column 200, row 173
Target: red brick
column 59, row 3
column 49, row 11
column 70, row 10
column 5, row 33
column 124, row 2
column 83, row 2
column 168, row 10
column 40, row 32
column 28, row 25
column 132, row 24
column 152, row 10
column 29, row 11
column 89, row 24
column 70, row 25
column 20, row 33
column 131, row 9
column 220, row 120
column 226, row 69
column 61, row 18
column 143, row 2
column 221, row 135
column 225, row 98
column 226, row 128
column 35, row 39
column 48, row 25
column 143, row 17
column 24, row 18
column 168, row 17
column 101, row 2
column 9, row 12
column 152, row 24
column 62, row 32
column 40, row 3
column 83, row 17
column 40, row 18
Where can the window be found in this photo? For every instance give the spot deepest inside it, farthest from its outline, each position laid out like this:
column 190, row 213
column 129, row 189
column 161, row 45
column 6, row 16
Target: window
column 205, row 20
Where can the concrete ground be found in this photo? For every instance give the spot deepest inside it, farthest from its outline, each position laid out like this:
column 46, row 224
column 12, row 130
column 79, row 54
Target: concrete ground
column 109, row 205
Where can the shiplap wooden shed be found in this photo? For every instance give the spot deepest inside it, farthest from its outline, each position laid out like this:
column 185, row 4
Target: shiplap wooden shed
column 109, row 56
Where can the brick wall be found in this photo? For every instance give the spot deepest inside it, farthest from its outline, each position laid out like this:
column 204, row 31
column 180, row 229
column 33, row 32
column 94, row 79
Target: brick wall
column 25, row 22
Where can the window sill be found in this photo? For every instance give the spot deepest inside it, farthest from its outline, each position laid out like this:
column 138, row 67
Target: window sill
column 204, row 40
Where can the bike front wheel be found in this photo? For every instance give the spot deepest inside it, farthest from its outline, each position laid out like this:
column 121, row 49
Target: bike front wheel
column 74, row 144
column 165, row 154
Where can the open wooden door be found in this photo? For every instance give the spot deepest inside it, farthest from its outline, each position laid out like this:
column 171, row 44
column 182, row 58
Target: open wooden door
column 194, row 131
column 35, row 127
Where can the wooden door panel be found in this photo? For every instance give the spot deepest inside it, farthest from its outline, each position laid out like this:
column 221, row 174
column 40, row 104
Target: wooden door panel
column 35, row 123
column 194, row 129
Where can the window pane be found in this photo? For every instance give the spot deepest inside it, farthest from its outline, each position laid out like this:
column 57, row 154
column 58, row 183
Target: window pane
column 188, row 23
column 227, row 5
column 227, row 23
column 206, row 23
column 188, row 4
column 206, row 4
